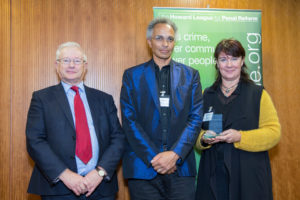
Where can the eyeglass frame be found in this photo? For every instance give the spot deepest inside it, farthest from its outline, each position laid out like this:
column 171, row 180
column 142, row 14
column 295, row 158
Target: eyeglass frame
column 82, row 61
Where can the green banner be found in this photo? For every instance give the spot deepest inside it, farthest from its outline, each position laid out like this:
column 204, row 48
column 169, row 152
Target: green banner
column 200, row 30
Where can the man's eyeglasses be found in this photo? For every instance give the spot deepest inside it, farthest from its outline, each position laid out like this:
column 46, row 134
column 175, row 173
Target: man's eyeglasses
column 67, row 61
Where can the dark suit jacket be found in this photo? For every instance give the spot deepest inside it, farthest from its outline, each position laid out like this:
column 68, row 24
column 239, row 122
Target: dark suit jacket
column 51, row 138
column 141, row 118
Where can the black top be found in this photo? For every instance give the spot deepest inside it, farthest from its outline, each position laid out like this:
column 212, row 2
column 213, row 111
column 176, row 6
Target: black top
column 163, row 82
column 222, row 176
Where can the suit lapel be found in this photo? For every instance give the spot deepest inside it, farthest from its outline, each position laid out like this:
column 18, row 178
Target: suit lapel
column 61, row 97
column 152, row 84
column 92, row 101
column 175, row 77
column 176, row 81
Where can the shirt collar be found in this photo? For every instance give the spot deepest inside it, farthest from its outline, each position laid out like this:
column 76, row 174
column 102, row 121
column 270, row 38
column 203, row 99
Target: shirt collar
column 67, row 86
column 157, row 67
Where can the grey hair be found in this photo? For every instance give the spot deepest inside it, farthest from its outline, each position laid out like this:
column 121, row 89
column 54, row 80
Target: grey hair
column 159, row 20
column 69, row 44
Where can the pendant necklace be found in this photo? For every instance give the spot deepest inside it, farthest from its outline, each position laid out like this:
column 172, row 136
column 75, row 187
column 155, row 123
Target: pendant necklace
column 228, row 89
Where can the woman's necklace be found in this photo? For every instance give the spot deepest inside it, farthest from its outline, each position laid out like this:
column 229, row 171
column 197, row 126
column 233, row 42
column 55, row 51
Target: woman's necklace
column 228, row 89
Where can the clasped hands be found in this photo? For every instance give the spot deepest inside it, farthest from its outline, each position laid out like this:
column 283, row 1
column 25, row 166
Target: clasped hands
column 165, row 162
column 81, row 184
column 228, row 136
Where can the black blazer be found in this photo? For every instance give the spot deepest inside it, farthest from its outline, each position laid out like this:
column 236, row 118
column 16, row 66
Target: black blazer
column 51, row 137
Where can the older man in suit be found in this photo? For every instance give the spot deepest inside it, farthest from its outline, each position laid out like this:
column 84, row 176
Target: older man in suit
column 161, row 104
column 73, row 135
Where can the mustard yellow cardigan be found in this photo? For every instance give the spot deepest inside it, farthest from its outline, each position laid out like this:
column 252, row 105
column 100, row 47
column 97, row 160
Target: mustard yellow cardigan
column 262, row 139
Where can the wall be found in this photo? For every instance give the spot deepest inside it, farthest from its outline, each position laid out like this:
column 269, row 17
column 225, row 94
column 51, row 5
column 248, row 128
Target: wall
column 113, row 34
column 5, row 119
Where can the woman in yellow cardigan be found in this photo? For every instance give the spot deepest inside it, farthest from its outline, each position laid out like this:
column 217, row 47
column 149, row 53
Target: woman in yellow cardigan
column 240, row 125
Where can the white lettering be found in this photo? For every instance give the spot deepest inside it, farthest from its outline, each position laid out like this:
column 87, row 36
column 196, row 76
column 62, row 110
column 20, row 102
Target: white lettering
column 254, row 57
column 199, row 49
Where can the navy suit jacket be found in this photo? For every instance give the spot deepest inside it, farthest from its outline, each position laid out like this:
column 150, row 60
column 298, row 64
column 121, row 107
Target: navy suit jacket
column 51, row 138
column 141, row 118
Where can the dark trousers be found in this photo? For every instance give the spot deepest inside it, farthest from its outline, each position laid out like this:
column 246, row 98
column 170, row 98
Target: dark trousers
column 162, row 187
column 74, row 197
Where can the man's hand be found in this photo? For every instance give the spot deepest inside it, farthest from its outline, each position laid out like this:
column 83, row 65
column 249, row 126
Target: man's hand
column 165, row 162
column 73, row 181
column 91, row 181
column 172, row 170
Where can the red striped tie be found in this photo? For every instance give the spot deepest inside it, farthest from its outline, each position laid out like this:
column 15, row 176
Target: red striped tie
column 83, row 138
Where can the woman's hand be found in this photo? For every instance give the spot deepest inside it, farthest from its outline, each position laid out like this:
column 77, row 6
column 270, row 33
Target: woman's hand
column 229, row 136
column 208, row 137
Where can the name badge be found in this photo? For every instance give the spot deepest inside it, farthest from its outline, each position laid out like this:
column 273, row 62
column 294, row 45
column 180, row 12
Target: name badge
column 208, row 116
column 164, row 101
